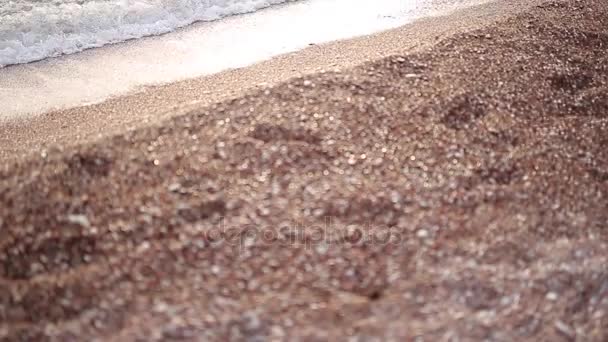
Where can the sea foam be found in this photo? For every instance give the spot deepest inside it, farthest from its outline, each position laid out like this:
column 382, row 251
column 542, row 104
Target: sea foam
column 32, row 30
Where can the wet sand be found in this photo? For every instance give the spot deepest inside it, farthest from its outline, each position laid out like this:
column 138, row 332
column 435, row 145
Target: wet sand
column 453, row 192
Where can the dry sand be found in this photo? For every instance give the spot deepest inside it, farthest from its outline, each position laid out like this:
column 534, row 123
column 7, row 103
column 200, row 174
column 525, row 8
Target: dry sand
column 483, row 158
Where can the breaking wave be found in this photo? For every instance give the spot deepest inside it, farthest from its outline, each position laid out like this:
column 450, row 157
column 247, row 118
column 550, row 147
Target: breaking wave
column 32, row 30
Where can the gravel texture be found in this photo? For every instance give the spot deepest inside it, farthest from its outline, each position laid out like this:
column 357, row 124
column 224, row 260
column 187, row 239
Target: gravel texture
column 458, row 193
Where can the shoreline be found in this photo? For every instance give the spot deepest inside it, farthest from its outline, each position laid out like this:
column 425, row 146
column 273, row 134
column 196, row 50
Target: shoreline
column 152, row 104
column 160, row 60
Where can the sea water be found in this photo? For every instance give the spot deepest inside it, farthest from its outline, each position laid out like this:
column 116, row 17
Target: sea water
column 31, row 30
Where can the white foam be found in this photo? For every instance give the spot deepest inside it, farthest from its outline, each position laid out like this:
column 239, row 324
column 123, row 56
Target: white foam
column 31, row 30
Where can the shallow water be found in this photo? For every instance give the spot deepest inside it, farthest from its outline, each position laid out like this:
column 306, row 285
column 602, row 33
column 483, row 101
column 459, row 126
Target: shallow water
column 35, row 29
